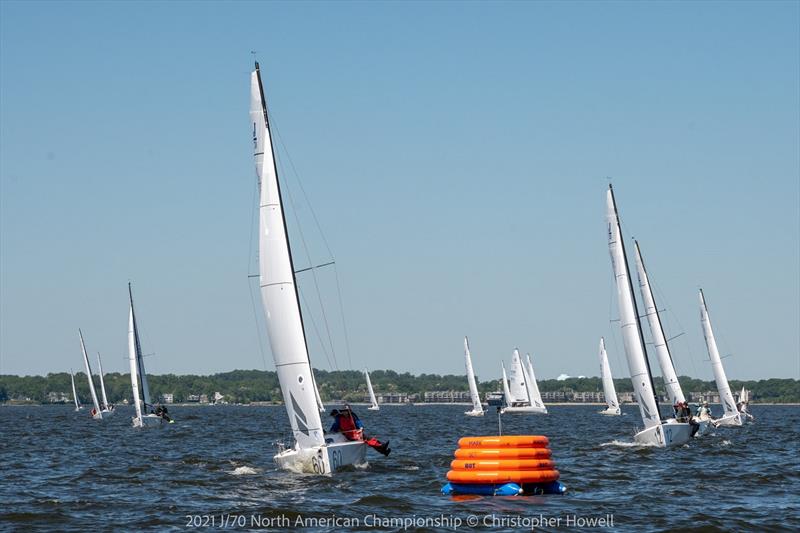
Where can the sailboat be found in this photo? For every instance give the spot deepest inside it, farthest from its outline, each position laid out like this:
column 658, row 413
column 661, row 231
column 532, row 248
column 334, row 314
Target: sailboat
column 313, row 451
column 674, row 391
column 78, row 406
column 656, row 432
column 521, row 392
column 373, row 401
column 731, row 416
column 96, row 414
column 107, row 409
column 608, row 383
column 533, row 386
column 141, row 391
column 744, row 400
column 477, row 408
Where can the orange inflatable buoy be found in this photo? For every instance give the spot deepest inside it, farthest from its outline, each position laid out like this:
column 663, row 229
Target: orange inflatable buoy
column 502, row 476
column 503, row 464
column 503, row 453
column 513, row 441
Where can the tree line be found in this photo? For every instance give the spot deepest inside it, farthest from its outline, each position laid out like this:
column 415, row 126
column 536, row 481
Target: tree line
column 245, row 386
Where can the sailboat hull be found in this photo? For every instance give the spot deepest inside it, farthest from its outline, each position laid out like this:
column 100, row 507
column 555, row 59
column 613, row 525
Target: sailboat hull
column 108, row 412
column 611, row 411
column 373, row 408
column 147, row 421
column 474, row 413
column 734, row 420
column 665, row 435
column 326, row 459
column 523, row 410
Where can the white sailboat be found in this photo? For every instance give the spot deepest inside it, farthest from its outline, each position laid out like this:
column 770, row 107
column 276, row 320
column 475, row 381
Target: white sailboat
column 656, row 432
column 731, row 416
column 141, row 391
column 78, row 406
column 313, row 450
column 373, row 401
column 96, row 414
column 477, row 408
column 608, row 383
column 107, row 409
column 674, row 391
column 520, row 390
column 744, row 400
column 533, row 386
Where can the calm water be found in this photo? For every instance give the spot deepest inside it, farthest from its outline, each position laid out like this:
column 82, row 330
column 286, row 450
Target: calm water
column 61, row 471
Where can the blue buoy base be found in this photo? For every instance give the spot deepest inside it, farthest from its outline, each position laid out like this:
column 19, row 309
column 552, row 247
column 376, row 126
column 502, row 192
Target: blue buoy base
column 506, row 489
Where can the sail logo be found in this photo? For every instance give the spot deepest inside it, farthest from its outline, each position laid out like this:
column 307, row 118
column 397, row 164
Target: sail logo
column 299, row 416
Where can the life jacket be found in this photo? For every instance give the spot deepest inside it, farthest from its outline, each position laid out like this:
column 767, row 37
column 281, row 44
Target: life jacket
column 348, row 427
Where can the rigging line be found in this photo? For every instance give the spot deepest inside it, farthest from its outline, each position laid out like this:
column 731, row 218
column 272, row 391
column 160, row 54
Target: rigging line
column 308, row 255
column 668, row 306
column 314, row 325
column 324, row 241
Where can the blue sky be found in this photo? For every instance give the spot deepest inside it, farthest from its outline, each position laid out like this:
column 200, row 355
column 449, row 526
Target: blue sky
column 456, row 155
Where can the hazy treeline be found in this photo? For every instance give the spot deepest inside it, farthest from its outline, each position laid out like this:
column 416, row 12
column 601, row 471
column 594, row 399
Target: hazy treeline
column 259, row 385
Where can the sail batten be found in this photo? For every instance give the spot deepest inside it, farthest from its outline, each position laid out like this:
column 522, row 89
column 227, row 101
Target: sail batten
column 638, row 367
column 278, row 285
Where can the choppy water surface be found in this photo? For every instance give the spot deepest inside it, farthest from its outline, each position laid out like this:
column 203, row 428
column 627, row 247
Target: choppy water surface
column 61, row 471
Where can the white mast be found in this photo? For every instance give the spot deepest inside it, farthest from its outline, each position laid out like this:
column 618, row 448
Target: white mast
column 102, row 383
column 132, row 359
column 725, row 395
column 608, row 381
column 473, row 386
column 519, row 382
column 372, row 399
column 97, row 413
column 533, row 386
column 278, row 285
column 74, row 392
column 631, row 334
column 657, row 331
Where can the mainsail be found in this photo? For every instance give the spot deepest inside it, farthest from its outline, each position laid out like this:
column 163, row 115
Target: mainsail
column 133, row 358
column 519, row 382
column 725, row 395
column 657, row 331
column 473, row 387
column 506, row 393
column 278, row 284
column 102, row 383
column 533, row 387
column 89, row 376
column 608, row 380
column 639, row 368
column 74, row 392
column 372, row 399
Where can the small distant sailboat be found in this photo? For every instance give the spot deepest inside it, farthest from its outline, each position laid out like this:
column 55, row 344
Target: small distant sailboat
column 106, row 408
column 744, row 400
column 374, row 402
column 656, row 432
column 477, row 408
column 141, row 391
column 78, row 406
column 731, row 416
column 533, row 386
column 96, row 414
column 521, row 392
column 314, row 451
column 608, row 383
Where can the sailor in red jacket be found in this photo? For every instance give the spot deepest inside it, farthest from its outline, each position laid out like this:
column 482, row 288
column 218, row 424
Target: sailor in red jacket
column 347, row 423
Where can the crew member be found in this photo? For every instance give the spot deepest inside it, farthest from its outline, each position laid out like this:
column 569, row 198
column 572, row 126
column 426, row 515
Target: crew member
column 347, row 423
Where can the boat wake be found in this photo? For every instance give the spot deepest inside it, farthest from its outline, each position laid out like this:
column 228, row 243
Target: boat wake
column 243, row 471
column 623, row 444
